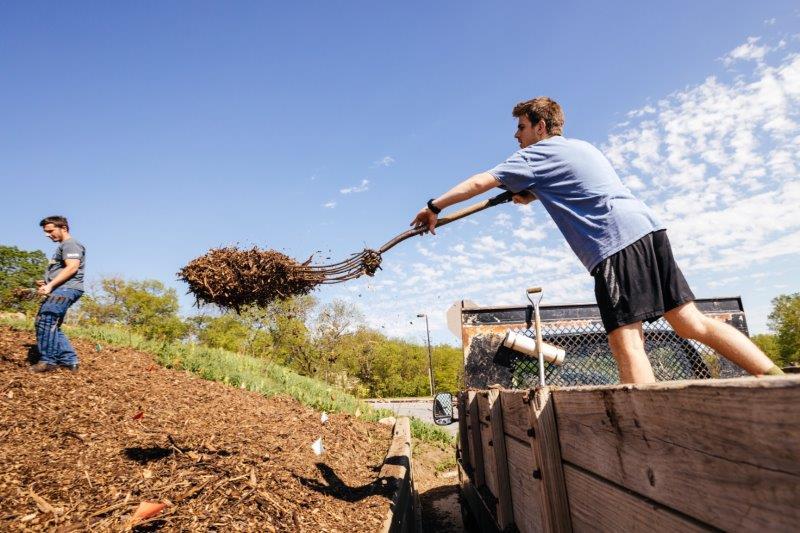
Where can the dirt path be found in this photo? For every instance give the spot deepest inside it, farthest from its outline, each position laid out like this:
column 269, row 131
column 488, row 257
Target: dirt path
column 436, row 481
column 83, row 450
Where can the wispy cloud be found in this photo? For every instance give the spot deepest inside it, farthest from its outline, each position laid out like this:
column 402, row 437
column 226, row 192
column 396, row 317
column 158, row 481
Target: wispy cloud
column 749, row 51
column 329, row 205
column 363, row 186
column 385, row 161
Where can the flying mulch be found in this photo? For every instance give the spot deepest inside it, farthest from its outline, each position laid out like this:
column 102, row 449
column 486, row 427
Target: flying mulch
column 233, row 278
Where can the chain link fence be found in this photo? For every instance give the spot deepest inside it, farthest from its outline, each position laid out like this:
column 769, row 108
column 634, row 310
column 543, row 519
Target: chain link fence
column 589, row 360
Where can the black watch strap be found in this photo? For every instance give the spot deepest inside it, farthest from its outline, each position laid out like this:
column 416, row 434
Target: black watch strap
column 435, row 210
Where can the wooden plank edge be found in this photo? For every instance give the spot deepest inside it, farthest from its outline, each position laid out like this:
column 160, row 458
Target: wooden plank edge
column 766, row 382
column 395, row 476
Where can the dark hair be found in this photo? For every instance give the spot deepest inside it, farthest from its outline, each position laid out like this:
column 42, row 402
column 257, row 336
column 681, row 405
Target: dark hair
column 57, row 220
column 542, row 108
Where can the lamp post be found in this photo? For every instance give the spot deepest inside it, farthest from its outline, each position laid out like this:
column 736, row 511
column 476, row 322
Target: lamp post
column 430, row 358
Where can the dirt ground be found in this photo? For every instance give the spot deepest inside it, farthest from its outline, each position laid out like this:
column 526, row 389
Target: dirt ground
column 83, row 450
column 436, row 481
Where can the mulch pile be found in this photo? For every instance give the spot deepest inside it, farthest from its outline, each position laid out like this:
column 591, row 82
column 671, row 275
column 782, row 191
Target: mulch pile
column 83, row 450
column 233, row 278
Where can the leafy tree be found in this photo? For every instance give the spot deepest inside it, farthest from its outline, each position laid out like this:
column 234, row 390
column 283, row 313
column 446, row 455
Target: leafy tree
column 768, row 344
column 784, row 320
column 226, row 331
column 146, row 307
column 333, row 321
column 19, row 269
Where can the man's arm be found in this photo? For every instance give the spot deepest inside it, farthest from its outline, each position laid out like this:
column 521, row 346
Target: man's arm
column 470, row 187
column 69, row 270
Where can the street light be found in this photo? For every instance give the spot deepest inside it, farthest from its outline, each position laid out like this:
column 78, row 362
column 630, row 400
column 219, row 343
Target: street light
column 430, row 359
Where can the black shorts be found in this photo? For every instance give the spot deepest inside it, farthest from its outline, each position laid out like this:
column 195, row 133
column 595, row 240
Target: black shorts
column 639, row 283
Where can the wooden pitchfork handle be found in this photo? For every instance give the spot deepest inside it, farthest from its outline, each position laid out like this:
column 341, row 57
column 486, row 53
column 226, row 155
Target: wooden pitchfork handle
column 480, row 206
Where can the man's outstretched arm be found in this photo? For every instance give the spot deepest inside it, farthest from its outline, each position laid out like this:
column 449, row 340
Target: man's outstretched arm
column 470, row 187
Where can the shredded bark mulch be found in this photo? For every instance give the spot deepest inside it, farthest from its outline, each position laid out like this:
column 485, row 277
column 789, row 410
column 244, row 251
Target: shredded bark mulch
column 82, row 451
column 233, row 278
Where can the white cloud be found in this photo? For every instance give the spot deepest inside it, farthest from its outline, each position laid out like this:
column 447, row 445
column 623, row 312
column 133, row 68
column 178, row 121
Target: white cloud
column 363, row 186
column 503, row 220
column 329, row 205
column 385, row 161
column 749, row 51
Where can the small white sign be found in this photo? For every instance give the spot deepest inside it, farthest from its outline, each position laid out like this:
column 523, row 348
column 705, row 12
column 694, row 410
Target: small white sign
column 317, row 446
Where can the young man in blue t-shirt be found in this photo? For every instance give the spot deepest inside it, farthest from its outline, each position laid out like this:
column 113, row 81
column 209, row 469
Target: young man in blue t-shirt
column 617, row 238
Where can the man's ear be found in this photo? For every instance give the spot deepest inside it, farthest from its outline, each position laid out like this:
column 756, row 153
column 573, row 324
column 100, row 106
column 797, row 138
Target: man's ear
column 541, row 127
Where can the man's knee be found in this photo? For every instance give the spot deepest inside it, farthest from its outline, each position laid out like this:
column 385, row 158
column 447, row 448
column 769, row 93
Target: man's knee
column 688, row 323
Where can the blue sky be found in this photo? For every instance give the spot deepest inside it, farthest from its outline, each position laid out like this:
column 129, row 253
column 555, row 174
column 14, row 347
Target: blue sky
column 164, row 129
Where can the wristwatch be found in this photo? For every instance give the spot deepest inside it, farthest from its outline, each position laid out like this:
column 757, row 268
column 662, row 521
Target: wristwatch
column 435, row 210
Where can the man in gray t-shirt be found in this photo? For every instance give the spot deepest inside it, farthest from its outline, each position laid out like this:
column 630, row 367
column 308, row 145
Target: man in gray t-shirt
column 63, row 286
column 617, row 238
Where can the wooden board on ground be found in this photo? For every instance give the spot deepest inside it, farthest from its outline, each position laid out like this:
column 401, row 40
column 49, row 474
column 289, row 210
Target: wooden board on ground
column 725, row 452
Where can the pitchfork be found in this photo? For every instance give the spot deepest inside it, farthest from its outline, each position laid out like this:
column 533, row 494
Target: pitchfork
column 368, row 261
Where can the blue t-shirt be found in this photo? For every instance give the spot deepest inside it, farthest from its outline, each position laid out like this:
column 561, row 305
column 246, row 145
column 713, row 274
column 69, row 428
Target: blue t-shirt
column 575, row 182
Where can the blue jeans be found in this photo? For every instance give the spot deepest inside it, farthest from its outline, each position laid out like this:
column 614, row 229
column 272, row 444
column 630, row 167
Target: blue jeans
column 54, row 347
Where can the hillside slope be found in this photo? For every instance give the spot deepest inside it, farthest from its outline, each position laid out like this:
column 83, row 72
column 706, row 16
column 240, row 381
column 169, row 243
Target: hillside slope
column 81, row 450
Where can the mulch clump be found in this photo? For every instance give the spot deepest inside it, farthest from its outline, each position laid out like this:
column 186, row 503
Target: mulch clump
column 233, row 278
column 83, row 451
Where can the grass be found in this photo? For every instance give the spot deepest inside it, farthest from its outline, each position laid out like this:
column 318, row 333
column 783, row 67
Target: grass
column 242, row 371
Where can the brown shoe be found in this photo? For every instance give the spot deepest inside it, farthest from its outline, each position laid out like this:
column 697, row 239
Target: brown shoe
column 42, row 367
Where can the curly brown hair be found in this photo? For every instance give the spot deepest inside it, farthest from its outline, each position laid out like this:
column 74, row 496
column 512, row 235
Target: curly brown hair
column 542, row 108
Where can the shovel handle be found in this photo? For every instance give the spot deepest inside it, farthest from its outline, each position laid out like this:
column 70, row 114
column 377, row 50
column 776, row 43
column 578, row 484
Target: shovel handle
column 480, row 206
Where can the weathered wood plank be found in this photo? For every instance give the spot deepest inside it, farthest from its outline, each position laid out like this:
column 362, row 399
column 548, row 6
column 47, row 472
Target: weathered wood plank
column 475, row 447
column 546, row 449
column 396, row 473
column 463, row 433
column 596, row 505
column 505, row 516
column 726, row 452
column 525, row 490
column 489, row 460
column 516, row 413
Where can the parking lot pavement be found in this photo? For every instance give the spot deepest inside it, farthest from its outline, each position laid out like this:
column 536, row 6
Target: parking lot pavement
column 417, row 407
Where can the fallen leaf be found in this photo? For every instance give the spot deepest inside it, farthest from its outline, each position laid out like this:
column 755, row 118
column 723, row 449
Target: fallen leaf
column 146, row 510
column 138, row 415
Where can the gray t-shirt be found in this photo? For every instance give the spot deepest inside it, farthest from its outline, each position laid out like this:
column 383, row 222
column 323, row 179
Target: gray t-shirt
column 576, row 184
column 69, row 249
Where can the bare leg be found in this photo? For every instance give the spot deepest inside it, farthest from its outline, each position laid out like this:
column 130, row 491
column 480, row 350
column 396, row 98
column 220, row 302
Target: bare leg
column 690, row 323
column 627, row 345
